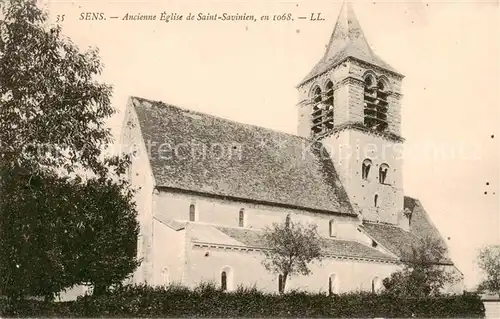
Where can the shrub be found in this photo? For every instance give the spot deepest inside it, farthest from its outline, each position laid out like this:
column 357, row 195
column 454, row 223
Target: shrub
column 207, row 300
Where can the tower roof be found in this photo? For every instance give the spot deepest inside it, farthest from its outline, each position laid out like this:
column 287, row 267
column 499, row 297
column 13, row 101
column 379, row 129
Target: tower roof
column 347, row 40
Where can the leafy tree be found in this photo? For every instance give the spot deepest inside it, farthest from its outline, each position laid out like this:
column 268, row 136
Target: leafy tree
column 60, row 232
column 57, row 231
column 292, row 247
column 489, row 261
column 423, row 273
column 52, row 109
column 107, row 216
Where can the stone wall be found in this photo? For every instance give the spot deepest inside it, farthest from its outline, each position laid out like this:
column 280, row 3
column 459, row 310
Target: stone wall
column 141, row 178
column 246, row 269
column 348, row 150
column 225, row 212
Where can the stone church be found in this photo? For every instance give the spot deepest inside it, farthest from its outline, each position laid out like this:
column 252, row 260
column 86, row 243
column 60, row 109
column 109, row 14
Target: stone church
column 207, row 186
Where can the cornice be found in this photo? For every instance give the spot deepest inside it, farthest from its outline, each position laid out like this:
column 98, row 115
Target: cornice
column 226, row 247
column 359, row 126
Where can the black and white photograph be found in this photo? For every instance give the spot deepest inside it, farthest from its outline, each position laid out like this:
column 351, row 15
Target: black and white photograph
column 232, row 159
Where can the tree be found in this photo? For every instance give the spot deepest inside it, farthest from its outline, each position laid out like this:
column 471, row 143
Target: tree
column 107, row 215
column 52, row 109
column 61, row 231
column 57, row 231
column 489, row 261
column 292, row 247
column 423, row 273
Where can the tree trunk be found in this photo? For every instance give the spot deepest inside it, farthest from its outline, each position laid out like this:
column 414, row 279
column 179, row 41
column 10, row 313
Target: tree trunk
column 99, row 289
column 283, row 282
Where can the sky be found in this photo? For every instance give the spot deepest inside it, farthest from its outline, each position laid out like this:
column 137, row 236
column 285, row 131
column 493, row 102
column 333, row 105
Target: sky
column 247, row 71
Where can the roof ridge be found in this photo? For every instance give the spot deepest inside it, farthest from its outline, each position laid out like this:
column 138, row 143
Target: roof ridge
column 195, row 112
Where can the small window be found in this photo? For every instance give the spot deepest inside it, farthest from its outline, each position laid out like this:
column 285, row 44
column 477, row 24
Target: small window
column 382, row 173
column 365, row 168
column 375, row 200
column 165, row 276
column 223, row 280
column 332, row 284
column 376, row 284
column 226, row 279
column 192, row 213
column 241, row 219
column 332, row 228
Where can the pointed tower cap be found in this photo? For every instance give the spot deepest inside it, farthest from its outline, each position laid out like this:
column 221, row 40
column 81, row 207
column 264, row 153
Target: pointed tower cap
column 347, row 40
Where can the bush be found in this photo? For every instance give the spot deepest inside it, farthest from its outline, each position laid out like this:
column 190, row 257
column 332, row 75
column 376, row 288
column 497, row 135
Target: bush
column 207, row 300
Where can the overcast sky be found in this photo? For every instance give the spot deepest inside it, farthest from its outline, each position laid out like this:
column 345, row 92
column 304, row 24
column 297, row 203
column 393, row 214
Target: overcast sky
column 247, row 71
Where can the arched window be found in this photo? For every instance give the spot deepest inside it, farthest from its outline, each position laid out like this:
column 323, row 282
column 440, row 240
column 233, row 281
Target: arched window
column 376, row 284
column 223, row 280
column 375, row 103
column 280, row 283
column 287, row 220
column 226, row 279
column 165, row 276
column 329, row 106
column 241, row 219
column 332, row 284
column 317, row 112
column 365, row 168
column 332, row 228
column 375, row 200
column 382, row 173
column 192, row 212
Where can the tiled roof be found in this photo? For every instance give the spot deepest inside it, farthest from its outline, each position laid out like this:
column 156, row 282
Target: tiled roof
column 334, row 247
column 245, row 237
column 162, row 216
column 420, row 224
column 347, row 40
column 240, row 161
column 397, row 240
column 391, row 237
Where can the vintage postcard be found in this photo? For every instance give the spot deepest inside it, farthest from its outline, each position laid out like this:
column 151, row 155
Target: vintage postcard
column 275, row 148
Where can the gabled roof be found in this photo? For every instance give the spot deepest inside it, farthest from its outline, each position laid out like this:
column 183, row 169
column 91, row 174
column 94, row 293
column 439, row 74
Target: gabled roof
column 240, row 161
column 245, row 237
column 347, row 40
column 399, row 241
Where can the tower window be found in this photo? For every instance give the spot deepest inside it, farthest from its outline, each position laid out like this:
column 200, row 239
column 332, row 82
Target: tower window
column 365, row 168
column 332, row 228
column 317, row 112
column 329, row 106
column 192, row 213
column 382, row 173
column 241, row 220
column 375, row 200
column 375, row 104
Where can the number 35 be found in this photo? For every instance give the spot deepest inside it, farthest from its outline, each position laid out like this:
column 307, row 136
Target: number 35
column 60, row 18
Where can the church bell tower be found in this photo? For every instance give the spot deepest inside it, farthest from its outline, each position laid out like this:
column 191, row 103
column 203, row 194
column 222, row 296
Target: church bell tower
column 351, row 103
